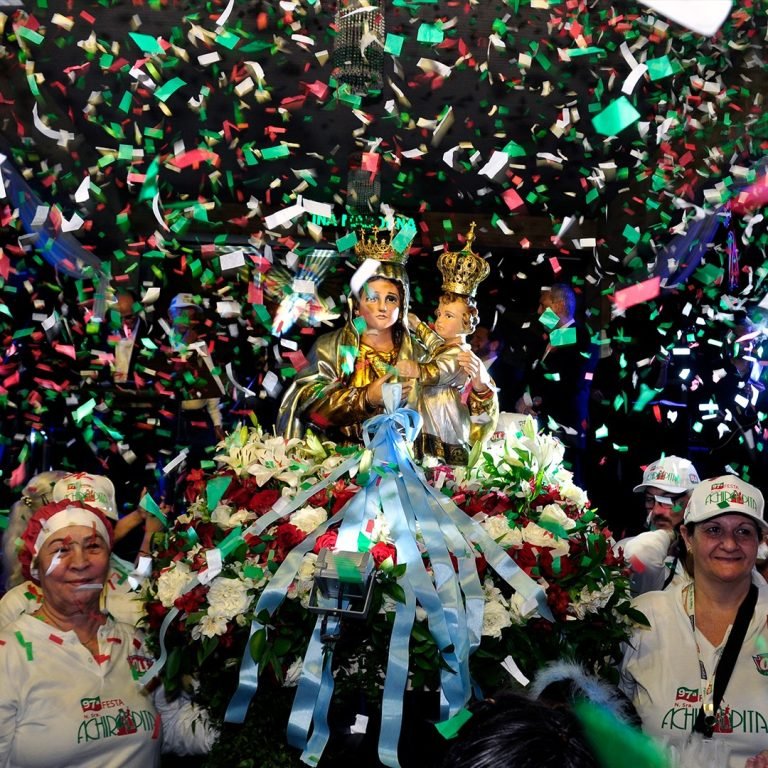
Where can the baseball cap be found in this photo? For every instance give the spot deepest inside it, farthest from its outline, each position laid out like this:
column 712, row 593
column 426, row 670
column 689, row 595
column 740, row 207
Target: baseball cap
column 95, row 490
column 727, row 494
column 181, row 300
column 670, row 473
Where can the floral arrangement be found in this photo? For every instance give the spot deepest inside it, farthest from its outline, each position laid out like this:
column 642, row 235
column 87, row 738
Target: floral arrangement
column 516, row 488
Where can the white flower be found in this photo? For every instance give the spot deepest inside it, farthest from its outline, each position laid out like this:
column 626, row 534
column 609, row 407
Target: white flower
column 540, row 537
column 308, row 518
column 209, row 626
column 293, row 673
column 592, row 602
column 553, row 513
column 573, row 494
column 495, row 618
column 304, row 580
column 170, row 583
column 516, row 614
column 225, row 517
column 546, row 450
column 228, row 597
column 497, row 527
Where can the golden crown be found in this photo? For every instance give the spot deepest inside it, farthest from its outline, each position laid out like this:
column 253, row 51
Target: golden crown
column 393, row 247
column 465, row 270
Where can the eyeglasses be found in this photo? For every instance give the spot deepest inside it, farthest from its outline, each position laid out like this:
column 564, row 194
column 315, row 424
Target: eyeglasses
column 651, row 500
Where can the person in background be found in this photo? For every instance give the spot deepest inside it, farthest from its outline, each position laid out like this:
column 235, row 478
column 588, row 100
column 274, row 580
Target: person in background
column 558, row 374
column 656, row 556
column 699, row 666
column 70, row 693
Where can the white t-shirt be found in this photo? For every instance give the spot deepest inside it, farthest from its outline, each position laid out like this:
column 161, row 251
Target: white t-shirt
column 660, row 673
column 647, row 555
column 60, row 707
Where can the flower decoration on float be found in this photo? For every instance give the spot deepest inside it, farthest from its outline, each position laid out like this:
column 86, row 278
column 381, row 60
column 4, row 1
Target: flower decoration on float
column 274, row 501
column 463, row 270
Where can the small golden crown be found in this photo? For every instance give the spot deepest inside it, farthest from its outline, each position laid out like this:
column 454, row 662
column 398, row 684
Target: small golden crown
column 385, row 249
column 465, row 270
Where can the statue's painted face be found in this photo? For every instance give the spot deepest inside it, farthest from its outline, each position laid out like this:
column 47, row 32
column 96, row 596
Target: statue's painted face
column 380, row 304
column 451, row 320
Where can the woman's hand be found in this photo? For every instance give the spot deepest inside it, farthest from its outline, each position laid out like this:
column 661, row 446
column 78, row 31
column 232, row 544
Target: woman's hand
column 474, row 367
column 758, row 761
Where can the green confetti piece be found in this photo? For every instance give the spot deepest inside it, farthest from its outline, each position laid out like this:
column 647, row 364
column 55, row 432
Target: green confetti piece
column 274, row 153
column 601, row 432
column 25, row 645
column 631, row 233
column 346, row 242
column 347, row 570
column 29, row 35
column 168, row 89
column 150, row 505
column 659, row 68
column 574, row 53
column 431, row 34
column 548, row 318
column 449, row 729
column 84, row 410
column 617, row 116
column 215, row 489
column 394, row 44
column 146, row 43
column 231, row 543
column 562, row 337
column 253, row 572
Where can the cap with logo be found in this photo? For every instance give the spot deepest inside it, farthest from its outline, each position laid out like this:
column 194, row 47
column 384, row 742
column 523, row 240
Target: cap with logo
column 671, row 473
column 182, row 300
column 94, row 490
column 725, row 495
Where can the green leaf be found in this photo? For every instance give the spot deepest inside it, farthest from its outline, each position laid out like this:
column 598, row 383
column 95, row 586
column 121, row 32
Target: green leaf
column 258, row 645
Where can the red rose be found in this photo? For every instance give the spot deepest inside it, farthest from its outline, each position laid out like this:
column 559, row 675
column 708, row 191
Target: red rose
column 262, row 501
column 525, row 557
column 566, row 566
column 320, row 499
column 381, row 552
column 342, row 493
column 192, row 600
column 195, row 484
column 156, row 612
column 558, row 601
column 288, row 536
column 326, row 540
column 206, row 533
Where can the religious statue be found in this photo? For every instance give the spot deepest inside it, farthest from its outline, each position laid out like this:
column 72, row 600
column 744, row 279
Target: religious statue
column 455, row 414
column 341, row 386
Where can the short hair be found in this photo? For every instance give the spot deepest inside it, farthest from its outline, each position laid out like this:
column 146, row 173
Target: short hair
column 470, row 317
column 563, row 293
column 516, row 730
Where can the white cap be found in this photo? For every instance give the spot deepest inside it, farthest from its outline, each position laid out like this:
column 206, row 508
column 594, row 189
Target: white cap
column 181, row 300
column 95, row 490
column 725, row 495
column 671, row 473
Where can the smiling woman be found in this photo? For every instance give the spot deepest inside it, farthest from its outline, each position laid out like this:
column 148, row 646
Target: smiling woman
column 700, row 667
column 70, row 694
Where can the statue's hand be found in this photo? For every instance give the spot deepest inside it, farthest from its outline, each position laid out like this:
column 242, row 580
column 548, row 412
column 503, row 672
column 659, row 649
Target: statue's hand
column 473, row 366
column 373, row 393
column 408, row 368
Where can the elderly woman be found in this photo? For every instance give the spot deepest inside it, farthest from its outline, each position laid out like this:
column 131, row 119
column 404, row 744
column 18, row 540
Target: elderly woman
column 701, row 665
column 70, row 694
column 341, row 386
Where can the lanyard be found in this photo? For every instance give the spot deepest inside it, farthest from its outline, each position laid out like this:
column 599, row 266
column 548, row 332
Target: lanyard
column 707, row 681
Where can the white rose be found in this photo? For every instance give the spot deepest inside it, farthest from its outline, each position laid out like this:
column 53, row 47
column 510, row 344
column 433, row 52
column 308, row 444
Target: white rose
column 170, row 583
column 495, row 618
column 226, row 518
column 305, row 578
column 573, row 494
column 228, row 597
column 308, row 518
column 553, row 513
column 540, row 537
column 209, row 626
column 497, row 527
